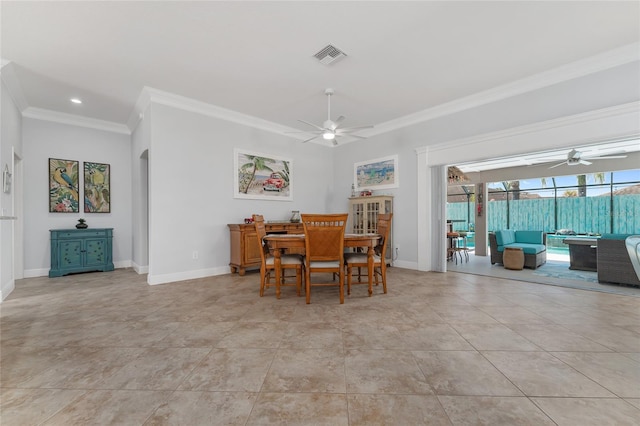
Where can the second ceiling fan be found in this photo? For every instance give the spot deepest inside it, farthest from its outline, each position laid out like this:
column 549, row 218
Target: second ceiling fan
column 330, row 130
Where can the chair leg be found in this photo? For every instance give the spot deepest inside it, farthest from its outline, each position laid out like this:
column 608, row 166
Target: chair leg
column 299, row 279
column 263, row 277
column 307, row 279
column 383, row 272
column 342, row 286
column 349, row 271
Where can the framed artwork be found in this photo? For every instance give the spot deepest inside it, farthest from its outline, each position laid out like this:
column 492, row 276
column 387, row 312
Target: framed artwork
column 97, row 188
column 262, row 176
column 379, row 173
column 63, row 186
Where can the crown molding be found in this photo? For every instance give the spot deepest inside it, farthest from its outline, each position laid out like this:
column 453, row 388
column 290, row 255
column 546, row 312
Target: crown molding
column 11, row 81
column 75, row 120
column 542, row 126
column 613, row 124
column 610, row 59
column 150, row 95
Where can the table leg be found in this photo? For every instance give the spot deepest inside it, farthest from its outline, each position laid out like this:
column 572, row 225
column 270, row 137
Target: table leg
column 277, row 261
column 370, row 269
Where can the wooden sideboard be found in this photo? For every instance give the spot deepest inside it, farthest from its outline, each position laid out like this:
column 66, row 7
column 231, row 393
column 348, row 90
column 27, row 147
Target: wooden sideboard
column 244, row 245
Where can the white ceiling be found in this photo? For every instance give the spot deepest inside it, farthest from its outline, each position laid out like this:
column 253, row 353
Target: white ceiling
column 257, row 57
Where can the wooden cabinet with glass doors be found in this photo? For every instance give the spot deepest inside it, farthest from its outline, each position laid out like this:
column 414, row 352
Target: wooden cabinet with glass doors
column 363, row 214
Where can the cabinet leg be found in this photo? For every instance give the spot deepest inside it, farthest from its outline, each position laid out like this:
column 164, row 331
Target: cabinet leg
column 241, row 272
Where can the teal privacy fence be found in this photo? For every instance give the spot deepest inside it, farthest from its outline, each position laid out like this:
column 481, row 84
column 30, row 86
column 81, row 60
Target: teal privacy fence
column 583, row 215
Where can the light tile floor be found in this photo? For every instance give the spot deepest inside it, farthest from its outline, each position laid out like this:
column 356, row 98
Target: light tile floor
column 454, row 348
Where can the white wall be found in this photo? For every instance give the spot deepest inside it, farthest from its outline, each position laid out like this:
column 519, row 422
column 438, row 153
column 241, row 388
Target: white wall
column 10, row 143
column 191, row 171
column 140, row 141
column 45, row 139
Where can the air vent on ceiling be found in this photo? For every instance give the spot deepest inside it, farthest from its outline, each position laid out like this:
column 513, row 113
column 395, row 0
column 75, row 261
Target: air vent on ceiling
column 329, row 54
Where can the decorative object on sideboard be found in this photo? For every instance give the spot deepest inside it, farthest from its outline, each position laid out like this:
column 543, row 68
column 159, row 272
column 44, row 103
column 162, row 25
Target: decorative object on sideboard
column 295, row 216
column 82, row 224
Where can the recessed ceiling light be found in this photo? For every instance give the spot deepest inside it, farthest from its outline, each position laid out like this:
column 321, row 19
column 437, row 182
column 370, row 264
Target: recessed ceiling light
column 76, row 100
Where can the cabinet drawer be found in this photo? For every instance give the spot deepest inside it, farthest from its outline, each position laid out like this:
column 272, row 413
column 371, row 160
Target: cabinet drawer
column 81, row 234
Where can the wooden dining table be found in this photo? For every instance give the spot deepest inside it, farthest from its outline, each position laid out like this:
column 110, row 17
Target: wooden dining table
column 281, row 242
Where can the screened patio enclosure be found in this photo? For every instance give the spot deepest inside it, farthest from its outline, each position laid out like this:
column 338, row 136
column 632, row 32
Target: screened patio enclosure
column 583, row 204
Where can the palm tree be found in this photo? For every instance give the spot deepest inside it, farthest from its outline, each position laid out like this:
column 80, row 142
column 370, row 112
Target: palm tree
column 249, row 170
column 513, row 186
column 582, row 182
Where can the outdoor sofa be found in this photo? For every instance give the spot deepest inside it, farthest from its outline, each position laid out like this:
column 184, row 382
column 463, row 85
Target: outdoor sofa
column 614, row 263
column 532, row 243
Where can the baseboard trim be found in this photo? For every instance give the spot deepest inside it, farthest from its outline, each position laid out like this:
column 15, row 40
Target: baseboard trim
column 122, row 264
column 405, row 265
column 34, row 273
column 186, row 275
column 6, row 289
column 140, row 270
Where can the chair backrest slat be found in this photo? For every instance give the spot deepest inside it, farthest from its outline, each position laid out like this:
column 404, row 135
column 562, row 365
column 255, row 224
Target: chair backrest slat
column 324, row 236
column 384, row 228
column 261, row 232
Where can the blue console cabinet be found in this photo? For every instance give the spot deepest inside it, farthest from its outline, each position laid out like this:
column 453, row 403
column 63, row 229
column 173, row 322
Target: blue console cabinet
column 80, row 250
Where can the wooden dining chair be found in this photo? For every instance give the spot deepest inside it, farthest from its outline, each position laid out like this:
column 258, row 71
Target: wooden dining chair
column 359, row 260
column 287, row 261
column 324, row 246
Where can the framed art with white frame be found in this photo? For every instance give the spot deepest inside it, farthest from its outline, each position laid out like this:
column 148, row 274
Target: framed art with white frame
column 379, row 173
column 260, row 176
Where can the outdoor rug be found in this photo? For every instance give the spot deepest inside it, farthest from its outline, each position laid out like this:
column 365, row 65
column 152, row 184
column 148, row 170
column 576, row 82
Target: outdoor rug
column 561, row 270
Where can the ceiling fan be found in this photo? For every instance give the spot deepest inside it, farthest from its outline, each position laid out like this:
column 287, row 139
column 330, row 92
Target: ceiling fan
column 575, row 157
column 330, row 129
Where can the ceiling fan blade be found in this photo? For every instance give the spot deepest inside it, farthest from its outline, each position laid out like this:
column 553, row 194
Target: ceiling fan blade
column 605, row 157
column 557, row 165
column 348, row 135
column 312, row 125
column 305, row 131
column 310, row 139
column 339, row 120
column 353, row 129
column 585, row 162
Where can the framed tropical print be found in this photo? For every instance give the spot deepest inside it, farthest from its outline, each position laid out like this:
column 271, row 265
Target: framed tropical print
column 262, row 176
column 63, row 186
column 380, row 173
column 97, row 188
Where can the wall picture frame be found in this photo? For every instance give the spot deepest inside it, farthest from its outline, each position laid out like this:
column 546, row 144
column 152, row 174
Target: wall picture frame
column 97, row 187
column 64, row 194
column 261, row 176
column 379, row 173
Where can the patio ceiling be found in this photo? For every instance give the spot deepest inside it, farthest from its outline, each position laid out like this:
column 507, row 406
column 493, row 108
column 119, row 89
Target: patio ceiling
column 551, row 157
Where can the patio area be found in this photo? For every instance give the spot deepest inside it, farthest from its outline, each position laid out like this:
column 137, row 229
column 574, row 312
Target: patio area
column 554, row 272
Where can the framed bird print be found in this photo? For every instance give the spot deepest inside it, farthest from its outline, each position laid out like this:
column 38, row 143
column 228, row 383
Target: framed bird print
column 64, row 195
column 97, row 188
